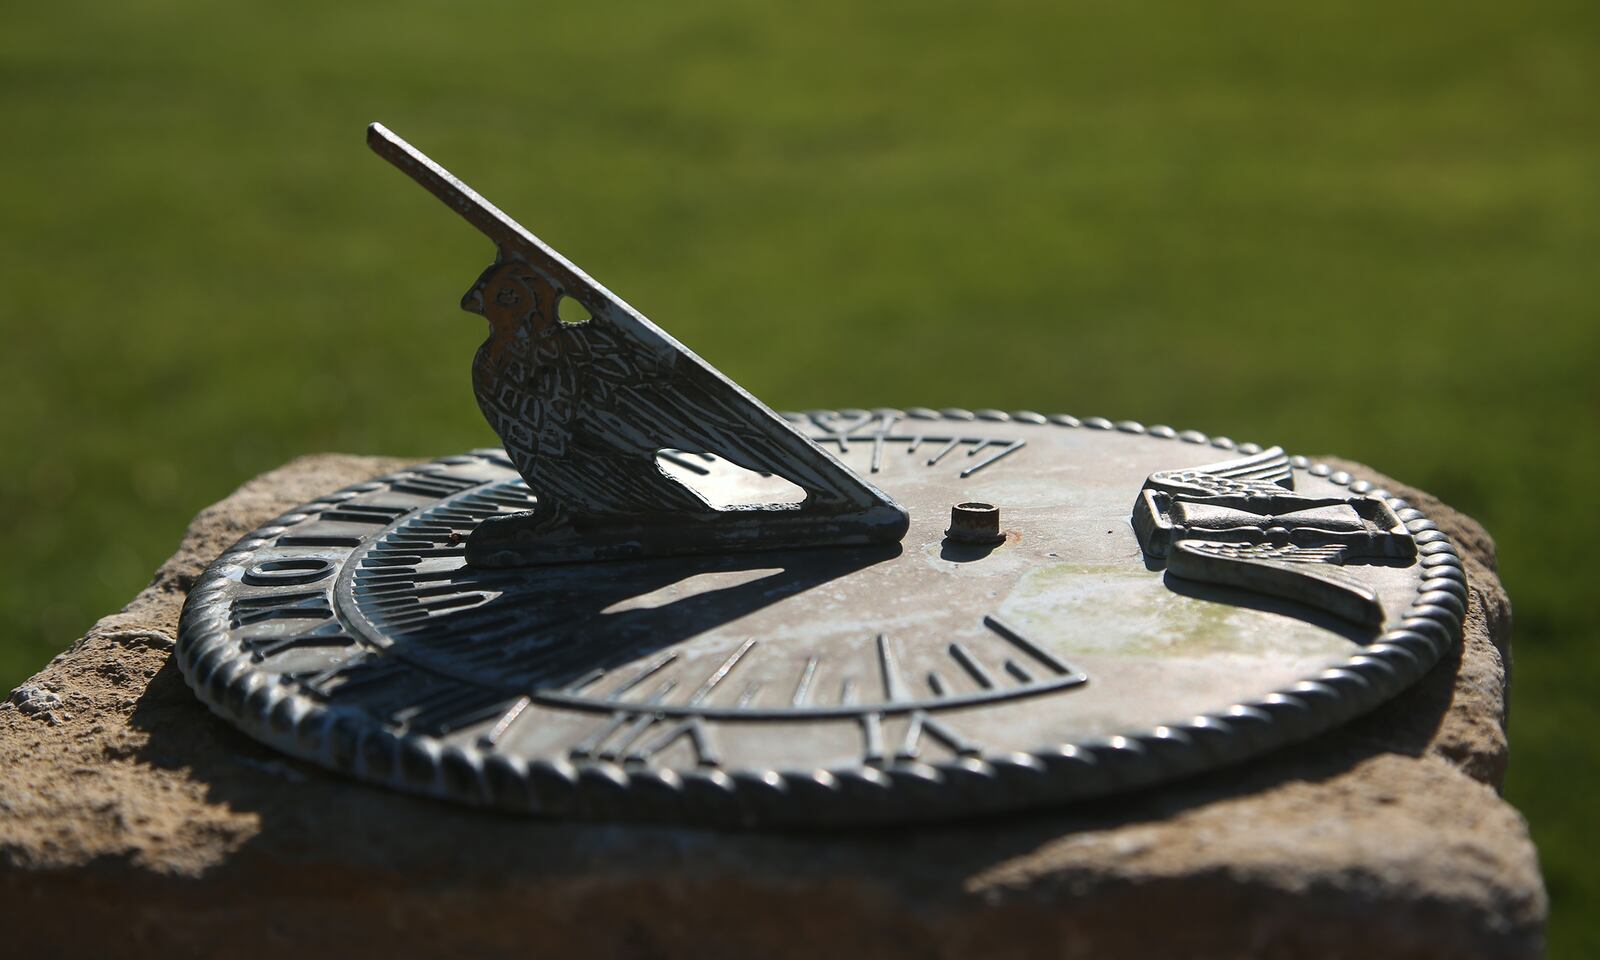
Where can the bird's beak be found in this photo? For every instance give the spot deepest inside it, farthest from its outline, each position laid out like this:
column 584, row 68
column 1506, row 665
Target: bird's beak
column 472, row 300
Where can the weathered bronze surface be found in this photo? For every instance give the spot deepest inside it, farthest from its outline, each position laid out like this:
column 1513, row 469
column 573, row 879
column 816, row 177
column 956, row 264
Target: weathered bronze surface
column 1239, row 523
column 663, row 601
column 920, row 680
column 588, row 400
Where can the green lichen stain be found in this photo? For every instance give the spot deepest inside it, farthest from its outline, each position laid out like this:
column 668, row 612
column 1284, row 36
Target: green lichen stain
column 1126, row 611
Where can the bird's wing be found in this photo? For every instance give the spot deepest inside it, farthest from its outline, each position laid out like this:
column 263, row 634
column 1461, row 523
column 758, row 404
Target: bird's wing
column 1310, row 575
column 679, row 401
column 1264, row 473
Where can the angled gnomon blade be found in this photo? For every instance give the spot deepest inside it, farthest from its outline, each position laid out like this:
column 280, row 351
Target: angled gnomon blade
column 585, row 399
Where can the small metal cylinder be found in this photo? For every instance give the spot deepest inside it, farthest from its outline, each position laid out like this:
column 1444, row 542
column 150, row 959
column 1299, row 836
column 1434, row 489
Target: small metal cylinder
column 975, row 522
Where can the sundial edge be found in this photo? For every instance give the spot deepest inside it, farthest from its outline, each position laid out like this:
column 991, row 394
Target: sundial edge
column 220, row 669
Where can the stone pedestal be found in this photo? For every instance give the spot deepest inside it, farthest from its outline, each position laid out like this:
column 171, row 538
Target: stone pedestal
column 134, row 823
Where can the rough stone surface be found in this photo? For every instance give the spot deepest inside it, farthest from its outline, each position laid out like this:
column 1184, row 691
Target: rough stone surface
column 133, row 822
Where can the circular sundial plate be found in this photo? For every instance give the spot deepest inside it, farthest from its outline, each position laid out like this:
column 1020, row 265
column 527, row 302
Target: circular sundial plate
column 928, row 680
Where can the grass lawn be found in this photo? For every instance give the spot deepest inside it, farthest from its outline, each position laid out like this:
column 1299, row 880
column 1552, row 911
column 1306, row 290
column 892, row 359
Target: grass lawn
column 1368, row 229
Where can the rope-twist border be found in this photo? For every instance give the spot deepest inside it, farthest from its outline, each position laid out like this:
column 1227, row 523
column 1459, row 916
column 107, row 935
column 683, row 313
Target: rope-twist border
column 348, row 742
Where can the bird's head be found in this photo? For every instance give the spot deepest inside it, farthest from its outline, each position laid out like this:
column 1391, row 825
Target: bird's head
column 504, row 295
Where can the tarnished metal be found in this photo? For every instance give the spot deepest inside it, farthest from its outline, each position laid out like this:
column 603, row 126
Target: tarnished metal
column 505, row 629
column 585, row 404
column 924, row 679
column 1239, row 523
column 975, row 522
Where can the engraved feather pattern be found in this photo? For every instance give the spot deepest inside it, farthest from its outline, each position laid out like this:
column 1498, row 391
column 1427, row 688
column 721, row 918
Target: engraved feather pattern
column 1310, row 574
column 584, row 406
column 1266, row 473
column 1239, row 523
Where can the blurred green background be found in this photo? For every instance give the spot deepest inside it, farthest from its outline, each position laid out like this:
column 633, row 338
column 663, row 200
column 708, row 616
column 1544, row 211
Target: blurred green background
column 1367, row 228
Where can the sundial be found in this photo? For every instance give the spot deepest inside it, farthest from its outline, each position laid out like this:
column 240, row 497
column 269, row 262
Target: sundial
column 661, row 600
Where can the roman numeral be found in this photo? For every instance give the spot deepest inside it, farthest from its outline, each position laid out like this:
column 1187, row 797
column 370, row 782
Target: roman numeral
column 692, row 729
column 373, row 513
column 921, row 723
column 637, row 738
column 309, row 605
column 630, row 738
column 289, row 571
column 398, row 693
column 322, row 635
column 434, row 485
column 920, row 726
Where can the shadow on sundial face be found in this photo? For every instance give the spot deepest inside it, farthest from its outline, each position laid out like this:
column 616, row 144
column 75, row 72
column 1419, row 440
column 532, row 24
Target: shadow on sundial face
column 1233, row 597
column 1067, row 608
column 367, row 641
column 552, row 627
column 362, row 613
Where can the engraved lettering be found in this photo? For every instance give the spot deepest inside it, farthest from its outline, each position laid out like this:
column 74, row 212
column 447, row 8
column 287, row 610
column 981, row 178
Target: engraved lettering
column 289, row 571
column 310, row 605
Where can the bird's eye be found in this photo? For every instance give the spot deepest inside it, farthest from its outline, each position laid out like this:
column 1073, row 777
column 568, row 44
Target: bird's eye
column 571, row 312
column 507, row 297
